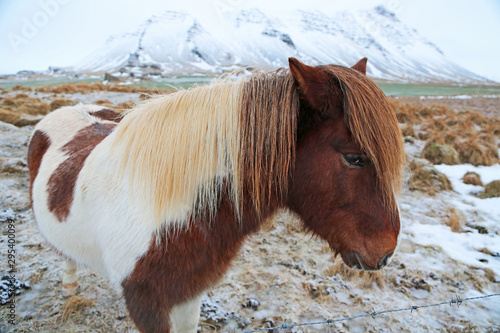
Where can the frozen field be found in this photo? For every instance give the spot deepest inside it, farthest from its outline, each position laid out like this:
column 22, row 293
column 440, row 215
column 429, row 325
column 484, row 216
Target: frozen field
column 283, row 276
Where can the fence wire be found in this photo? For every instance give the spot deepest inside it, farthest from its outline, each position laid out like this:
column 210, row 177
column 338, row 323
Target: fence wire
column 457, row 300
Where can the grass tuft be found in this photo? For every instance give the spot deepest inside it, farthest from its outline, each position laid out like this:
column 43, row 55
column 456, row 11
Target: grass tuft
column 104, row 102
column 491, row 190
column 438, row 153
column 75, row 305
column 408, row 130
column 425, row 178
column 59, row 103
column 454, row 221
column 472, row 178
column 476, row 152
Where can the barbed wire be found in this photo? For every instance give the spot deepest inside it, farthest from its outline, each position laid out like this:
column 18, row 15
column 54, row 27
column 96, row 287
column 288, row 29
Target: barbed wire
column 457, row 300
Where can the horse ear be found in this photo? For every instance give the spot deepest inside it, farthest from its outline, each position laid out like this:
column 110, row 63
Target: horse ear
column 361, row 66
column 311, row 81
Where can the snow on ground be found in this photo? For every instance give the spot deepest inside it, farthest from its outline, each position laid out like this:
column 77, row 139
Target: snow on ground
column 464, row 247
column 283, row 276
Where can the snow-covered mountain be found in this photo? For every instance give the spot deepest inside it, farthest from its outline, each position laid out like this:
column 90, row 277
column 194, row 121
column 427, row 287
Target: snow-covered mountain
column 177, row 43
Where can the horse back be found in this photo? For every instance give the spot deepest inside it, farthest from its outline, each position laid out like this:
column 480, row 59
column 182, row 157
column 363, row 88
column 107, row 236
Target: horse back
column 60, row 144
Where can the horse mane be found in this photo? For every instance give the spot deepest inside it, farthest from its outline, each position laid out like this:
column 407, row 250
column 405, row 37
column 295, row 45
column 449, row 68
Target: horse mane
column 371, row 119
column 180, row 150
column 270, row 109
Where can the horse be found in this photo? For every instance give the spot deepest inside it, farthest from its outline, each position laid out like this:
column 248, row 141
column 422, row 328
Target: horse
column 159, row 199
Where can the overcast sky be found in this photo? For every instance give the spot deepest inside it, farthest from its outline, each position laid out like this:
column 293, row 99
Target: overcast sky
column 35, row 34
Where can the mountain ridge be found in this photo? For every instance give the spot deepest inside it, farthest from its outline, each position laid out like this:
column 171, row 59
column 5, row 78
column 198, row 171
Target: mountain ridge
column 253, row 38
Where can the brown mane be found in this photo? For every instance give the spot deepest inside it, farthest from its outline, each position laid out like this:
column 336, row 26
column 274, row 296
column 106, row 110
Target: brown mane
column 269, row 111
column 178, row 150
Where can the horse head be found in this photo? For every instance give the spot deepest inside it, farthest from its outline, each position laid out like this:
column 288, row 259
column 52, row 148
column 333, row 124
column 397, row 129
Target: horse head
column 348, row 165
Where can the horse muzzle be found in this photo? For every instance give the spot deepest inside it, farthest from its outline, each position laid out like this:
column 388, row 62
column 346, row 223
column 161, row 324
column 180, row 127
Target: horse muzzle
column 354, row 260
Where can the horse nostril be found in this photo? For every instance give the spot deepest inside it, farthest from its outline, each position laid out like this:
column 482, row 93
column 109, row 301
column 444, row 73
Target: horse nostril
column 385, row 260
column 352, row 260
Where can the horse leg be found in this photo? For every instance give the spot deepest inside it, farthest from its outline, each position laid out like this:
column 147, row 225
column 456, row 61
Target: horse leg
column 69, row 280
column 147, row 307
column 151, row 312
column 185, row 317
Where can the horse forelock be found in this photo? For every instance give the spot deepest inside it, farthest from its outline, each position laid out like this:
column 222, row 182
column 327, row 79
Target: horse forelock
column 373, row 122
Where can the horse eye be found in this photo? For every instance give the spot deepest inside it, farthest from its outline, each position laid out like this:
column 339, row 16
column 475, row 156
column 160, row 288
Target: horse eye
column 355, row 160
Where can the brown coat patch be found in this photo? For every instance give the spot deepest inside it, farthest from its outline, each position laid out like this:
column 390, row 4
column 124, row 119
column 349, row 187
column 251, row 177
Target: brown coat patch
column 39, row 144
column 107, row 114
column 62, row 182
column 183, row 264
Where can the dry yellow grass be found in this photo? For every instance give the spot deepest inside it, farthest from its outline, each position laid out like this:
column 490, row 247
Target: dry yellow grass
column 418, row 114
column 438, row 125
column 365, row 279
column 8, row 116
column 439, row 153
column 85, row 87
column 26, row 105
column 59, row 103
column 74, row 305
column 12, row 117
column 473, row 135
column 454, row 221
column 425, row 178
column 104, row 102
column 124, row 106
column 10, row 102
column 492, row 128
column 451, row 136
column 491, row 190
column 476, row 152
column 408, row 130
column 472, row 178
column 476, row 118
column 21, row 109
column 21, row 96
column 34, row 108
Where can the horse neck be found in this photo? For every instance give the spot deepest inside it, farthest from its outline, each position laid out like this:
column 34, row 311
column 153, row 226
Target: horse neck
column 243, row 132
column 248, row 219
